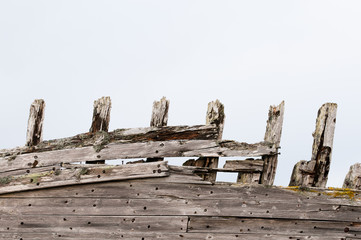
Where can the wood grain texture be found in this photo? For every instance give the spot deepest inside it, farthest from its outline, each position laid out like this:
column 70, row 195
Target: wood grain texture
column 81, row 174
column 159, row 149
column 34, row 133
column 99, row 139
column 273, row 135
column 215, row 115
column 159, row 118
column 353, row 177
column 101, row 115
column 315, row 172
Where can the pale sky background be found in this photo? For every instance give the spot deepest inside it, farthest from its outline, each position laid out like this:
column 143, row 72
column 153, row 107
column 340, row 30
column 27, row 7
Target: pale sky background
column 247, row 54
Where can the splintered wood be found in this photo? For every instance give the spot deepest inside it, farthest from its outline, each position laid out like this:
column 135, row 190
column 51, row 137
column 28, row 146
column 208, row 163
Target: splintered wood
column 353, row 177
column 314, row 173
column 34, row 133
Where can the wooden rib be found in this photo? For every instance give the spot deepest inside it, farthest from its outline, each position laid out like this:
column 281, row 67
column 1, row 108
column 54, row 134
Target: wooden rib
column 353, row 177
column 34, row 132
column 81, row 174
column 273, row 135
column 159, row 118
column 215, row 115
column 186, row 148
column 315, row 172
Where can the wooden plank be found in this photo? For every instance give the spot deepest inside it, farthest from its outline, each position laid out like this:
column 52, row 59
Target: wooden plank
column 272, row 226
column 215, row 115
column 34, row 132
column 81, row 174
column 315, row 172
column 159, row 118
column 245, row 165
column 172, row 235
column 273, row 135
column 353, row 177
column 191, row 148
column 99, row 139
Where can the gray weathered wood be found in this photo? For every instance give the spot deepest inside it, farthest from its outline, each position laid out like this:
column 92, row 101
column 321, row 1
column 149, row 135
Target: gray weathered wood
column 34, row 133
column 273, row 135
column 245, row 165
column 315, row 172
column 159, row 118
column 99, row 139
column 353, row 177
column 101, row 118
column 80, row 174
column 160, row 113
column 101, row 115
column 186, row 148
column 215, row 115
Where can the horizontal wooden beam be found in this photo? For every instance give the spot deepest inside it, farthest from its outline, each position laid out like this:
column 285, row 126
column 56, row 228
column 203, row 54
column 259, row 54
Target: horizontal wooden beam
column 81, row 174
column 130, row 135
column 159, row 149
column 244, row 165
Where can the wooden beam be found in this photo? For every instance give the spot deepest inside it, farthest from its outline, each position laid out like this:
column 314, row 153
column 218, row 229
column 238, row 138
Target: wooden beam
column 81, row 174
column 158, row 149
column 101, row 118
column 34, row 132
column 215, row 115
column 272, row 135
column 315, row 172
column 159, row 118
column 101, row 115
column 353, row 177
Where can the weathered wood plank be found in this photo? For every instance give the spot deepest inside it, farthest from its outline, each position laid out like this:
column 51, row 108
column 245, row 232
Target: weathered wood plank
column 353, row 177
column 315, row 172
column 191, row 148
column 159, row 118
column 215, row 115
column 99, row 139
column 245, row 165
column 273, row 135
column 80, row 174
column 101, row 118
column 157, row 235
column 34, row 133
column 272, row 226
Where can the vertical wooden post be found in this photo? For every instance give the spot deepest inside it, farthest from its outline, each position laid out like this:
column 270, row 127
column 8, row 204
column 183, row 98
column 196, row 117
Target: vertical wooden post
column 101, row 118
column 34, row 133
column 273, row 135
column 314, row 173
column 159, row 118
column 353, row 177
column 215, row 115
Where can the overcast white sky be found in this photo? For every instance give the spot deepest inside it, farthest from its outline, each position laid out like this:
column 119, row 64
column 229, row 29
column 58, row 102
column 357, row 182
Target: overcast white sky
column 248, row 54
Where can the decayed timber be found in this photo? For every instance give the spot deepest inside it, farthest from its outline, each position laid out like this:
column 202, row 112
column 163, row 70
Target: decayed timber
column 315, row 172
column 101, row 115
column 159, row 118
column 215, row 115
column 34, row 132
column 273, row 135
column 178, row 148
column 81, row 174
column 101, row 118
column 99, row 139
column 353, row 177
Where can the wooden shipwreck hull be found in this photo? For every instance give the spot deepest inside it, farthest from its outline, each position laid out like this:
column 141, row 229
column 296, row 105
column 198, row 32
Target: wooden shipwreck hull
column 46, row 194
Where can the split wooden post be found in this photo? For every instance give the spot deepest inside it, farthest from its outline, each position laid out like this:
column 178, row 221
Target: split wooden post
column 34, row 134
column 314, row 173
column 273, row 135
column 101, row 118
column 353, row 177
column 159, row 118
column 215, row 115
